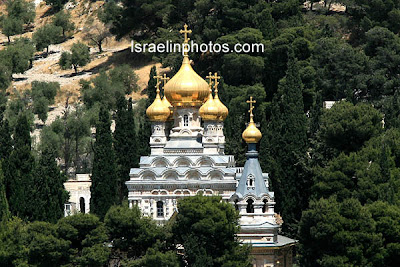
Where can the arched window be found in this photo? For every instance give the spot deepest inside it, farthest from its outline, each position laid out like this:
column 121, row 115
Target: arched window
column 82, row 204
column 160, row 209
column 236, row 205
column 265, row 206
column 185, row 120
column 250, row 206
column 250, row 181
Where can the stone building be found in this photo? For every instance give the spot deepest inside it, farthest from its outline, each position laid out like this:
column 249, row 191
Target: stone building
column 187, row 157
column 79, row 194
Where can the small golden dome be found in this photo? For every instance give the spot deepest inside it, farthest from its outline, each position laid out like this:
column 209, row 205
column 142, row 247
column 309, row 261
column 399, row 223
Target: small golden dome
column 222, row 109
column 166, row 102
column 186, row 88
column 252, row 134
column 209, row 111
column 158, row 111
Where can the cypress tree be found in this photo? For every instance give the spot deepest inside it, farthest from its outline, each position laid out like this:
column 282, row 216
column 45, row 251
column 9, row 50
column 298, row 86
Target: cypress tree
column 5, row 140
column 151, row 93
column 144, row 125
column 288, row 144
column 104, row 178
column 4, row 211
column 20, row 170
column 125, row 144
column 50, row 195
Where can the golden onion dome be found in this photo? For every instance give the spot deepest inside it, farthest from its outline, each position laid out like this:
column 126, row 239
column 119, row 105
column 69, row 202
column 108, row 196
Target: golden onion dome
column 186, row 88
column 209, row 111
column 166, row 102
column 222, row 109
column 252, row 134
column 158, row 111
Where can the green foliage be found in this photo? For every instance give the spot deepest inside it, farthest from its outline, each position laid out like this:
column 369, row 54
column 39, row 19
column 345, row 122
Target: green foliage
column 44, row 246
column 5, row 140
column 368, row 175
column 11, row 26
column 127, row 76
column 346, row 127
column 155, row 258
column 47, row 35
column 20, row 171
column 108, row 87
column 18, row 56
column 52, row 138
column 383, row 48
column 287, row 148
column 87, row 237
column 5, row 76
column 4, row 210
column 339, row 233
column 43, row 94
column 104, row 178
column 78, row 57
column 21, row 9
column 63, row 19
column 198, row 219
column 125, row 144
column 56, row 4
column 151, row 85
column 12, row 250
column 51, row 193
column 341, row 70
column 130, row 231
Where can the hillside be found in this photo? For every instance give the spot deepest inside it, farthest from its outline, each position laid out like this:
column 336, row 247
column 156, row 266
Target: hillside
column 46, row 68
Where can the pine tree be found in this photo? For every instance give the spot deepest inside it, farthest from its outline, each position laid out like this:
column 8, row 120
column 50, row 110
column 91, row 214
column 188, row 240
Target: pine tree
column 125, row 141
column 50, row 195
column 4, row 211
column 104, row 178
column 20, row 170
column 288, row 144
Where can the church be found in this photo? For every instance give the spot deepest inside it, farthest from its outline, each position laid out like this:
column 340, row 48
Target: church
column 187, row 158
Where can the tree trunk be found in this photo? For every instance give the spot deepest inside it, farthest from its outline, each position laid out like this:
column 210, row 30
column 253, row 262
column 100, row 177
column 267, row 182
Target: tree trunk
column 9, row 40
column 99, row 46
column 47, row 51
column 76, row 69
column 311, row 6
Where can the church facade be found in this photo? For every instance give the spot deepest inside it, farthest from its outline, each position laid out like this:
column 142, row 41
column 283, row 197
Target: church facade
column 187, row 158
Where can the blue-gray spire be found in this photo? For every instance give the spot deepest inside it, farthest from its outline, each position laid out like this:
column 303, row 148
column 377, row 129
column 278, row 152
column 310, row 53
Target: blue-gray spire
column 252, row 178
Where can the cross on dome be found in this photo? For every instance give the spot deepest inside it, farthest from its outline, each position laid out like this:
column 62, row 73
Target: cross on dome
column 210, row 77
column 185, row 33
column 251, row 102
column 165, row 79
column 158, row 77
column 216, row 83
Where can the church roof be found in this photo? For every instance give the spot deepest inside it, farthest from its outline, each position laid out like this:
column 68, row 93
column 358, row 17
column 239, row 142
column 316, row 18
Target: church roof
column 252, row 170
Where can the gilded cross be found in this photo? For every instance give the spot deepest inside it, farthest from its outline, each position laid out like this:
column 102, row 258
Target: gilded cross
column 158, row 77
column 165, row 79
column 251, row 102
column 216, row 78
column 185, row 31
column 209, row 77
